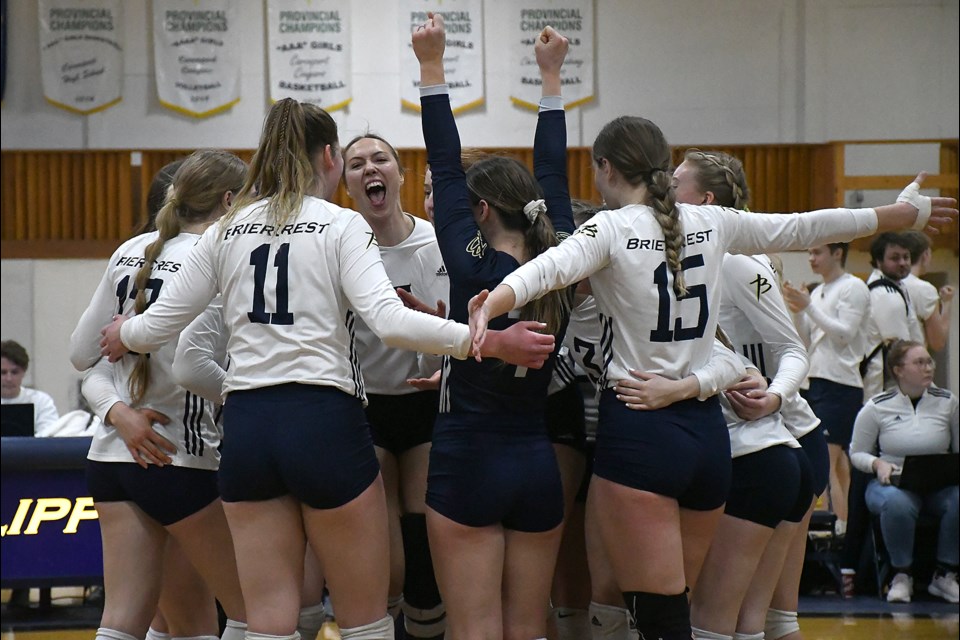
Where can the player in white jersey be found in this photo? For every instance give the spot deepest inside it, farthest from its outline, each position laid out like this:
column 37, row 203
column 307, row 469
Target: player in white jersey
column 913, row 418
column 150, row 421
column 294, row 272
column 934, row 307
column 663, row 325
column 772, row 493
column 400, row 415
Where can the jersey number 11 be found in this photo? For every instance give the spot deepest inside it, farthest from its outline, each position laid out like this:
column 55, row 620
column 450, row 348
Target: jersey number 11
column 259, row 258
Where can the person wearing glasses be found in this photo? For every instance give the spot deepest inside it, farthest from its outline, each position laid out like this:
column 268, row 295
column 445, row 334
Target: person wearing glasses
column 915, row 417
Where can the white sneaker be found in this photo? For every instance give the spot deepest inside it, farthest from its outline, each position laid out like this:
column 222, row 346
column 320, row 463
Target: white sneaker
column 901, row 589
column 944, row 585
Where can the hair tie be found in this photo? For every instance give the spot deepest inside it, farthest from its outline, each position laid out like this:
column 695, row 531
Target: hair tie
column 534, row 208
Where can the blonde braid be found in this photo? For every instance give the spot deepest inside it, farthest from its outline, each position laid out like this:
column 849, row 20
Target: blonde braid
column 664, row 204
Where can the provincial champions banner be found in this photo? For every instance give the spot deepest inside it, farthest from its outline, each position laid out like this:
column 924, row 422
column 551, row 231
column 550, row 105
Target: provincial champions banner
column 196, row 51
column 463, row 59
column 81, row 53
column 573, row 19
column 309, row 51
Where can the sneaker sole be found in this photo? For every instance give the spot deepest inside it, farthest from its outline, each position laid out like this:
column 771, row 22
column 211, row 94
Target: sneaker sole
column 935, row 591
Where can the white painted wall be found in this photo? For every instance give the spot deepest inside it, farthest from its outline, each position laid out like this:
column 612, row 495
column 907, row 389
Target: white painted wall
column 708, row 71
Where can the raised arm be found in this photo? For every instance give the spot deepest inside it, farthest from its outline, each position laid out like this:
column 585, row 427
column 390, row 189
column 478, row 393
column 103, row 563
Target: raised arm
column 550, row 142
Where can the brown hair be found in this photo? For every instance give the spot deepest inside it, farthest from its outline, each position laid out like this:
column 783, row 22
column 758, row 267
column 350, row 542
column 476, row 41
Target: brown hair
column 919, row 243
column 371, row 136
column 196, row 191
column 282, row 167
column 15, row 353
column 157, row 195
column 507, row 186
column 721, row 174
column 639, row 151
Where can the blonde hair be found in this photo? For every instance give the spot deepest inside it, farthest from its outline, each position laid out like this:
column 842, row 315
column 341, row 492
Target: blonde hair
column 282, row 167
column 196, row 192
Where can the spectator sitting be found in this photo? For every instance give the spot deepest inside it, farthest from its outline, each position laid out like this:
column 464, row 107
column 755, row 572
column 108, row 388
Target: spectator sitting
column 14, row 362
column 913, row 418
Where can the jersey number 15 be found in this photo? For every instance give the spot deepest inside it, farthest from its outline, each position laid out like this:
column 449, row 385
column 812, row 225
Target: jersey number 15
column 663, row 333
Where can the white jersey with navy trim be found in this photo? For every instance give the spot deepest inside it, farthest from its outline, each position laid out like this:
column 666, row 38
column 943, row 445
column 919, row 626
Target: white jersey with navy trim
column 889, row 427
column 755, row 318
column 192, row 427
column 643, row 324
column 386, row 370
column 291, row 296
column 834, row 326
column 430, row 283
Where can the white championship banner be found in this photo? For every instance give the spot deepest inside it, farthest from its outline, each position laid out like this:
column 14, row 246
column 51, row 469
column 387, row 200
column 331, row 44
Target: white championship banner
column 196, row 53
column 462, row 60
column 81, row 53
column 573, row 19
column 309, row 51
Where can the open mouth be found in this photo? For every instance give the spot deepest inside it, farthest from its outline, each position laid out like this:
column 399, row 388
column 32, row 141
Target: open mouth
column 376, row 192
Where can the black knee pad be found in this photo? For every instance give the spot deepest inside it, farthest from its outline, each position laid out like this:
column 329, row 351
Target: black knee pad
column 659, row 616
column 419, row 582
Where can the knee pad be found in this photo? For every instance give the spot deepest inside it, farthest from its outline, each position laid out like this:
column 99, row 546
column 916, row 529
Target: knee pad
column 235, row 630
column 310, row 620
column 110, row 634
column 419, row 582
column 659, row 616
column 571, row 624
column 424, row 623
column 780, row 623
column 153, row 634
column 701, row 634
column 196, row 638
column 748, row 636
column 382, row 629
column 607, row 621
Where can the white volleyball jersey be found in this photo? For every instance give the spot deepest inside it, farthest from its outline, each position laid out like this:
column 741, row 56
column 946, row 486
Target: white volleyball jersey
column 750, row 436
column 755, row 318
column 191, row 428
column 386, row 370
column 201, row 361
column 834, row 325
column 430, row 283
column 644, row 325
column 889, row 427
column 291, row 297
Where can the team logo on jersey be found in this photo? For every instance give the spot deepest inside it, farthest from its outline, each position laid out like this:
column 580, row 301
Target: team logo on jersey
column 588, row 230
column 442, row 271
column 477, row 246
column 763, row 285
column 372, row 241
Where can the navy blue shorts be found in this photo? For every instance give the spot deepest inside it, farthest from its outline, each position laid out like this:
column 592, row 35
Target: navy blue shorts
column 815, row 447
column 837, row 406
column 486, row 471
column 303, row 440
column 167, row 494
column 805, row 495
column 565, row 419
column 681, row 451
column 766, row 486
column 399, row 423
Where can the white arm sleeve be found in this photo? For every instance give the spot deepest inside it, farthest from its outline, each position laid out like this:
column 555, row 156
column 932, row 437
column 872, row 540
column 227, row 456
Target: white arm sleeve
column 85, row 339
column 846, row 325
column 571, row 261
column 370, row 293
column 753, row 233
column 722, row 370
column 182, row 299
column 99, row 389
column 864, row 444
column 200, row 361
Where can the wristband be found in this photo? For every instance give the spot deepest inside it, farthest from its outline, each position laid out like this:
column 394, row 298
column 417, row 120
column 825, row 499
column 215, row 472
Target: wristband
column 923, row 204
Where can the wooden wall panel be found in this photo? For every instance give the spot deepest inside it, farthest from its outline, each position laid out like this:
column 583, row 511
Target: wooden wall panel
column 59, row 204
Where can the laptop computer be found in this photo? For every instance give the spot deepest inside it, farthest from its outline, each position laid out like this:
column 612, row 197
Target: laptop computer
column 16, row 420
column 924, row 474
